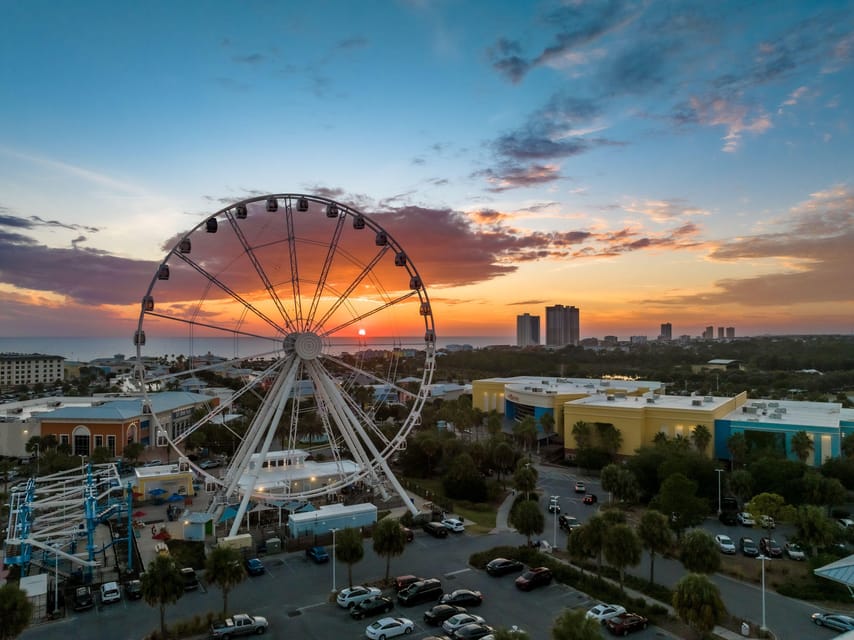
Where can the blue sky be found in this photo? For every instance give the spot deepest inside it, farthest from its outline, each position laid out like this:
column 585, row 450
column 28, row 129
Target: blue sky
column 645, row 161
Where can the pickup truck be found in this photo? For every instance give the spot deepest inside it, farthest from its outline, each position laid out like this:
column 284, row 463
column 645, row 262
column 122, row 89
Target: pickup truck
column 240, row 624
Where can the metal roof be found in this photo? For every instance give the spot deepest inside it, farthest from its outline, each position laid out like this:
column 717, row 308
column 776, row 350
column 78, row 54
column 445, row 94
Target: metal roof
column 841, row 571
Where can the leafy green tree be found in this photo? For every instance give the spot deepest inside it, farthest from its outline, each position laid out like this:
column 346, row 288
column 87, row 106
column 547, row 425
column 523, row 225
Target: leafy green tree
column 463, row 480
column 802, row 445
column 528, row 518
column 610, row 438
column 678, row 500
column 493, row 423
column 576, row 546
column 655, row 535
column 770, row 504
column 608, row 478
column 547, row 422
column 698, row 603
column 16, row 610
column 389, row 541
column 349, row 549
column 701, row 437
column 699, row 553
column 526, row 431
column 573, row 624
column 162, row 585
column 622, row 549
column 133, row 451
column 101, row 455
column 503, row 457
column 583, row 435
column 525, row 479
column 223, row 568
column 513, row 633
column 430, row 445
column 848, row 445
column 596, row 528
column 812, row 528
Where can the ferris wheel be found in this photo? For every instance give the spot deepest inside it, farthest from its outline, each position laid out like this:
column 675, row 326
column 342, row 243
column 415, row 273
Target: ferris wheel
column 307, row 315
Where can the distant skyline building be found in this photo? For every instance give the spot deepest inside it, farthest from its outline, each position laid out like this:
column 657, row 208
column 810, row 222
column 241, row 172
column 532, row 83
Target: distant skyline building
column 29, row 368
column 709, row 333
column 527, row 330
column 730, row 332
column 666, row 331
column 562, row 325
column 721, row 333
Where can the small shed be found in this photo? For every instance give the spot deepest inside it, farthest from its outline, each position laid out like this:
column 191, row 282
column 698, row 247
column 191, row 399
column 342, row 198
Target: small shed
column 197, row 525
column 333, row 516
column 36, row 589
column 163, row 480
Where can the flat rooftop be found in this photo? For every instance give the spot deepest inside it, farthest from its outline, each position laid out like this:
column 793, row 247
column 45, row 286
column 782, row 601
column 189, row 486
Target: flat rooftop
column 587, row 386
column 788, row 412
column 695, row 403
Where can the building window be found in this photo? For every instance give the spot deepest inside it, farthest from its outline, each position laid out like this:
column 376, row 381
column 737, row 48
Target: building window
column 81, row 444
column 99, row 441
column 111, row 445
column 64, row 439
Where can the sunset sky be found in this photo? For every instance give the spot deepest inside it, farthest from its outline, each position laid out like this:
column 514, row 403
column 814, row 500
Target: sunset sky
column 647, row 162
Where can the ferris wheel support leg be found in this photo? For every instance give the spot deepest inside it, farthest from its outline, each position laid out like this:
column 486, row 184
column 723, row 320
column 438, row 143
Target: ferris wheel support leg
column 268, row 429
column 334, row 395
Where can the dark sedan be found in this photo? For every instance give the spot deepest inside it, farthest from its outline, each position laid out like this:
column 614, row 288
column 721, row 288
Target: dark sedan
column 503, row 566
column 749, row 548
column 472, row 631
column 441, row 612
column 626, row 623
column 535, row 577
column 371, row 607
column 769, row 547
column 461, row 597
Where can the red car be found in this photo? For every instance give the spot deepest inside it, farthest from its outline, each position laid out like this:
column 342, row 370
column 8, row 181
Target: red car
column 625, row 623
column 590, row 499
column 534, row 577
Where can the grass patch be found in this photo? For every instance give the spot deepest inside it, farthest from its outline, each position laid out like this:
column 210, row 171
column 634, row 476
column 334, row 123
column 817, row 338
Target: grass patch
column 481, row 514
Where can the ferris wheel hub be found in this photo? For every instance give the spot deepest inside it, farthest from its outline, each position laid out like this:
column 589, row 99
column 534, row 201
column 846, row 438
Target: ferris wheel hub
column 306, row 345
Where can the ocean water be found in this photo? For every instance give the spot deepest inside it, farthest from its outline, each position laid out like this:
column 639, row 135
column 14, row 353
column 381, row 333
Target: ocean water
column 88, row 349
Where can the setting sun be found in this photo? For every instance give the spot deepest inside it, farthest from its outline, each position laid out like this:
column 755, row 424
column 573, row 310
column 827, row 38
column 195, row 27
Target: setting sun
column 361, row 332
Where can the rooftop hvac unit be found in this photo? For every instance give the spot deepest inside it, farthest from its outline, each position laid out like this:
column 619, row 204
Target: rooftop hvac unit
column 650, row 400
column 709, row 399
column 696, row 403
column 609, row 398
column 783, row 410
column 773, row 405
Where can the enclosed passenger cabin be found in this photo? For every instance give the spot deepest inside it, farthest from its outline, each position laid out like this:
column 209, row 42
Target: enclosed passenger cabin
column 430, row 336
column 400, row 259
column 148, row 303
column 415, row 283
column 425, row 309
column 138, row 338
column 272, row 205
column 240, row 212
column 332, row 210
column 184, row 246
column 163, row 272
column 381, row 239
column 302, row 204
column 211, row 225
column 359, row 222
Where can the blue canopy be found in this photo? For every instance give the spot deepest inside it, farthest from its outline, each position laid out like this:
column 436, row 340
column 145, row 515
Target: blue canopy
column 157, row 492
column 228, row 514
column 174, row 498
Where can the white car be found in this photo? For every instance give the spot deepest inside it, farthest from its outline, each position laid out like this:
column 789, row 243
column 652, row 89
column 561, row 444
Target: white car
column 602, row 612
column 389, row 627
column 845, row 523
column 745, row 519
column 794, row 551
column 110, row 593
column 454, row 524
column 725, row 544
column 456, row 621
column 767, row 522
column 353, row 595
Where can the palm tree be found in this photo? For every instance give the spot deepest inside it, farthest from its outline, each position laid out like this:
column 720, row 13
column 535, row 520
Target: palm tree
column 737, row 446
column 389, row 541
column 594, row 538
column 223, row 568
column 349, row 549
column 162, row 584
column 701, row 437
column 573, row 624
column 622, row 549
column 802, row 445
column 699, row 553
column 655, row 535
column 503, row 457
column 698, row 603
column 525, row 480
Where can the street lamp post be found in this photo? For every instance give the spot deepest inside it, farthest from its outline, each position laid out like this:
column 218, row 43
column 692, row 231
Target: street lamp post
column 555, row 501
column 38, row 458
column 763, row 558
column 333, row 559
column 719, row 472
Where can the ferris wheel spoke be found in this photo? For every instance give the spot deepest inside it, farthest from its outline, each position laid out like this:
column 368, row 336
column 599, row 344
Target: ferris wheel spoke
column 231, row 292
column 324, row 273
column 292, row 254
column 207, row 325
column 262, row 274
column 361, row 317
column 223, row 407
column 344, row 297
column 373, row 376
column 218, row 365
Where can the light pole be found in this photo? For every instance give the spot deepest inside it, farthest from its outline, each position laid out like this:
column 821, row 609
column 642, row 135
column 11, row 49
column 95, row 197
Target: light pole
column 38, row 459
column 556, row 502
column 763, row 558
column 333, row 559
column 719, row 472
